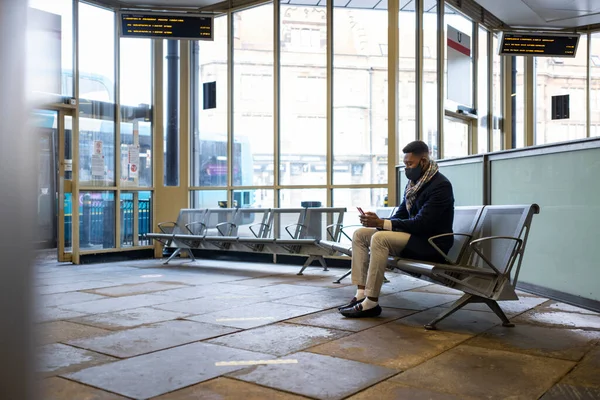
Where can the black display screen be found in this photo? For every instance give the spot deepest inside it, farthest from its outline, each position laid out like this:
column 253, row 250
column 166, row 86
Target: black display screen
column 166, row 26
column 538, row 44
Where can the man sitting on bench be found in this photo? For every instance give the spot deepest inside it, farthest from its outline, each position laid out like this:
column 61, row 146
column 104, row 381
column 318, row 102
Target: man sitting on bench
column 426, row 210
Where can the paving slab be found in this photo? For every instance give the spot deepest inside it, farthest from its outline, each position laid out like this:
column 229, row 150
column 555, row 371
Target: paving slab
column 323, row 299
column 567, row 344
column 268, row 339
column 129, row 318
column 587, row 372
column 71, row 287
column 49, row 314
column 208, row 290
column 227, row 389
column 393, row 391
column 333, row 319
column 557, row 306
column 316, row 376
column 205, row 305
column 254, row 315
column 117, row 304
column 150, row 338
column 63, row 331
column 416, row 300
column 57, row 358
column 486, row 374
column 59, row 299
column 61, row 389
column 391, row 345
column 510, row 308
column 560, row 319
column 154, row 374
column 570, row 392
column 137, row 288
column 462, row 321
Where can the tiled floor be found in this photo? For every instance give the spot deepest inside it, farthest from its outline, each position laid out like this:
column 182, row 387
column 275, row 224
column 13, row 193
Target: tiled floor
column 222, row 330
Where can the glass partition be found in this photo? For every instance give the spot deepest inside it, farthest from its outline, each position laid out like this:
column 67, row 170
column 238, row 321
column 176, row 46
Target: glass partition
column 467, row 182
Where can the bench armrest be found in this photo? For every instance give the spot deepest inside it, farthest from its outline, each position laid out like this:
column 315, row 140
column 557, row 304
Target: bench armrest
column 348, row 226
column 162, row 224
column 329, row 230
column 435, row 246
column 202, row 225
column 288, row 231
column 231, row 226
column 258, row 223
column 474, row 245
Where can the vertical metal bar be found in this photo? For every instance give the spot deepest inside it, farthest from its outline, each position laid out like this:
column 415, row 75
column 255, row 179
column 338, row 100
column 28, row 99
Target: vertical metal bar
column 507, row 97
column 157, row 137
column 393, row 72
column 474, row 125
column 184, row 119
column 60, row 138
column 513, row 101
column 420, row 74
column 117, row 142
column 329, row 97
column 441, row 47
column 172, row 156
column 276, row 98
column 529, row 99
column 588, row 98
column 230, row 111
column 75, row 143
column 487, row 180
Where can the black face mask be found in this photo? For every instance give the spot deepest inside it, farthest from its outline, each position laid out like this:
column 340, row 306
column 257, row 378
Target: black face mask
column 414, row 173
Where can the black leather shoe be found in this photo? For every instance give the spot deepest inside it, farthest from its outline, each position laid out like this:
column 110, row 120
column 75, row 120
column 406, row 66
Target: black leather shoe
column 357, row 311
column 352, row 303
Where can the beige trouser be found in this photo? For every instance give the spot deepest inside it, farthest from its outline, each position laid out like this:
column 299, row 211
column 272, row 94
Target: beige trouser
column 370, row 273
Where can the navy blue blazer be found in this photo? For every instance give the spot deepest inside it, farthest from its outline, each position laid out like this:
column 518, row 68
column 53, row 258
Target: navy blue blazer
column 431, row 214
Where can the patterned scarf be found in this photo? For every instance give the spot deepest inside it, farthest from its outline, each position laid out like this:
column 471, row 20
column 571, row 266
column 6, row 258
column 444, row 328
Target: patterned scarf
column 413, row 188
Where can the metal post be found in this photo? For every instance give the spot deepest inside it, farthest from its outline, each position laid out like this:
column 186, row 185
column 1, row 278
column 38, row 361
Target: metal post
column 172, row 153
column 513, row 101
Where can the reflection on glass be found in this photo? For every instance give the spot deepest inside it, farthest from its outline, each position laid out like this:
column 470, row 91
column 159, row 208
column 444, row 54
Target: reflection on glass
column 253, row 96
column 360, row 97
column 64, row 43
column 430, row 94
column 482, row 91
column 209, row 199
column 303, row 95
column 558, row 77
column 254, row 198
column 97, row 220
column 209, row 124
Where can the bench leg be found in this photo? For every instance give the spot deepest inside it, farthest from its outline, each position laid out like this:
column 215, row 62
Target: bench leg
column 339, row 280
column 175, row 253
column 457, row 305
column 191, row 255
column 498, row 311
column 309, row 260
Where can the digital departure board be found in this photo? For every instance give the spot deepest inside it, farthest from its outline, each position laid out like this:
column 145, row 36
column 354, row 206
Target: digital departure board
column 538, row 44
column 166, row 26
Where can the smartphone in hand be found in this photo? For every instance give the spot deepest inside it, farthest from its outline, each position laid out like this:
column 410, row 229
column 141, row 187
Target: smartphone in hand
column 360, row 210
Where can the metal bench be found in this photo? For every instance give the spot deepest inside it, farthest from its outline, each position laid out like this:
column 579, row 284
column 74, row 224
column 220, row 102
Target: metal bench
column 483, row 269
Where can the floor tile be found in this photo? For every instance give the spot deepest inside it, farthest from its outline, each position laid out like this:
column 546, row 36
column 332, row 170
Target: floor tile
column 435, row 288
column 268, row 339
column 333, row 319
column 129, row 318
column 254, row 315
column 560, row 319
column 557, row 306
column 55, row 359
column 59, row 299
column 206, row 305
column 281, row 291
column 227, row 389
column 118, row 304
column 330, row 378
column 137, row 288
column 484, row 373
column 394, row 391
column 146, row 339
column 49, row 314
column 213, row 289
column 567, row 344
column 510, row 308
column 587, row 372
column 400, row 283
column 164, row 371
column 323, row 299
column 71, row 287
column 391, row 345
column 63, row 331
column 570, row 392
column 61, row 389
column 416, row 300
column 462, row 321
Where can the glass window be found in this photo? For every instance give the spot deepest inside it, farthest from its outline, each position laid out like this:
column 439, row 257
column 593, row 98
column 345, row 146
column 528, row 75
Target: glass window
column 459, row 60
column 253, row 96
column 129, row 236
column 97, row 220
column 303, row 91
column 497, row 98
column 209, row 198
column 560, row 77
column 407, row 79
column 295, row 197
column 136, row 98
column 254, row 198
column 430, row 94
column 594, row 84
column 367, row 199
column 482, row 91
column 171, row 111
column 56, row 47
column 456, row 137
column 360, row 107
column 519, row 102
column 209, row 121
column 96, row 90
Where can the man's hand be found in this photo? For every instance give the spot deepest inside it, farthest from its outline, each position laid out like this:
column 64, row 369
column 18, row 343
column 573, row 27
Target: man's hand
column 371, row 220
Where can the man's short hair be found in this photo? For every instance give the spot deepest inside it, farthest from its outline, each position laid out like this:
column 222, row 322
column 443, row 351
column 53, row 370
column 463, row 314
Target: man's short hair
column 418, row 147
